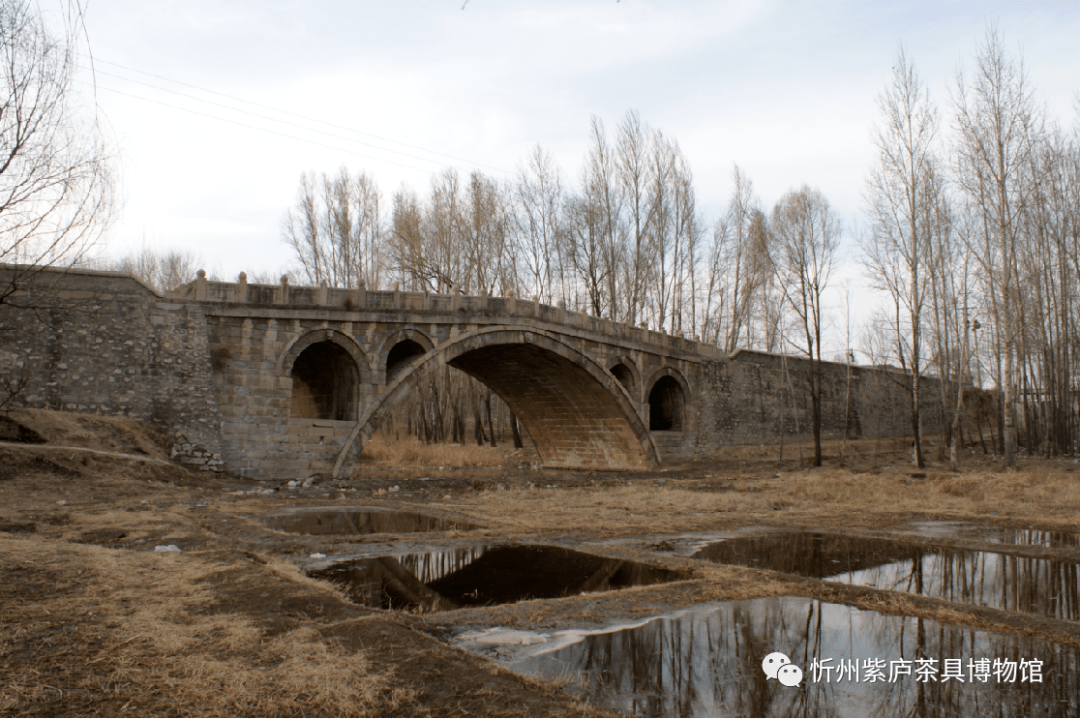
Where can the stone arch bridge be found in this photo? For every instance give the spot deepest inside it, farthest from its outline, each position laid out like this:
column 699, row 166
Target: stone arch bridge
column 273, row 381
column 305, row 375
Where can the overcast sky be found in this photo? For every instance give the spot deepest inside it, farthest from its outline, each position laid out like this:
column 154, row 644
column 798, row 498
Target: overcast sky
column 403, row 89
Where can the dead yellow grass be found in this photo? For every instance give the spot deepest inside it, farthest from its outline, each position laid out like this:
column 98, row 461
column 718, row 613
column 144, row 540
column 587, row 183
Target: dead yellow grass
column 1036, row 494
column 411, row 452
column 144, row 644
column 115, row 434
column 1033, row 492
column 610, row 510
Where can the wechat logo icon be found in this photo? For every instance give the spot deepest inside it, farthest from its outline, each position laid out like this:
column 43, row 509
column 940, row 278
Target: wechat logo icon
column 779, row 667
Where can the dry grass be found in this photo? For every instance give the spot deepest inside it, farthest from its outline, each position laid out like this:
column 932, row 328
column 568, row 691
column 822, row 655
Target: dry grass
column 411, row 452
column 135, row 640
column 606, row 509
column 114, row 434
column 1038, row 493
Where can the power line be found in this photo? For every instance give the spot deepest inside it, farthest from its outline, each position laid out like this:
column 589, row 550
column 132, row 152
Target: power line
column 255, row 127
column 267, row 117
column 290, row 113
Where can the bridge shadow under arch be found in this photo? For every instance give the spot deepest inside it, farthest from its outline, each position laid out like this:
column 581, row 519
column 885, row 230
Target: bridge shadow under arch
column 576, row 412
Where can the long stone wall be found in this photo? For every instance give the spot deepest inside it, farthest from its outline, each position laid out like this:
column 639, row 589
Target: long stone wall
column 755, row 397
column 100, row 342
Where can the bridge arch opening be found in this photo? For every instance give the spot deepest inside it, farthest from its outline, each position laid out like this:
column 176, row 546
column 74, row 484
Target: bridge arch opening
column 625, row 376
column 325, row 383
column 570, row 406
column 400, row 355
column 667, row 405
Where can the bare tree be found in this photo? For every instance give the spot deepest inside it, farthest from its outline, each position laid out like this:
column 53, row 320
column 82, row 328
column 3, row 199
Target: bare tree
column 162, row 271
column 718, row 259
column 633, row 169
column 56, row 189
column 489, row 262
column 997, row 124
column 538, row 216
column 687, row 228
column 902, row 194
column 600, row 190
column 750, row 260
column 336, row 229
column 586, row 251
column 807, row 235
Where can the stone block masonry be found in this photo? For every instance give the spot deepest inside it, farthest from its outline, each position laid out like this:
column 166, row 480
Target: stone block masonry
column 287, row 382
column 755, row 397
column 104, row 343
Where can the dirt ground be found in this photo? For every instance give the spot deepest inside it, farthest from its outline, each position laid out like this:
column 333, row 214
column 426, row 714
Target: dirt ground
column 93, row 621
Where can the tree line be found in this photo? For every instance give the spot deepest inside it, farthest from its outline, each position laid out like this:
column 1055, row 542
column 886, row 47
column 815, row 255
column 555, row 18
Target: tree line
column 973, row 224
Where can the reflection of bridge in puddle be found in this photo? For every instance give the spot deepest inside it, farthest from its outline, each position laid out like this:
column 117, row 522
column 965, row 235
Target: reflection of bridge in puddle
column 1050, row 587
column 481, row 576
column 707, row 662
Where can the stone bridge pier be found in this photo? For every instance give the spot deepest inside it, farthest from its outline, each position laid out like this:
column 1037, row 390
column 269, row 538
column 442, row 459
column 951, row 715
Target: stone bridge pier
column 304, row 376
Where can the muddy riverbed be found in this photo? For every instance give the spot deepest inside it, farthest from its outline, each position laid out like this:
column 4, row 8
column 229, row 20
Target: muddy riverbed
column 134, row 587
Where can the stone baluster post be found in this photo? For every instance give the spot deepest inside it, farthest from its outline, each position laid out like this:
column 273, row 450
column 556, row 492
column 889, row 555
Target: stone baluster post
column 361, row 294
column 283, row 291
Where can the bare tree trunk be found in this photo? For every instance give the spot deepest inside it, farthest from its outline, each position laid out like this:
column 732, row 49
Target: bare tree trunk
column 518, row 444
column 491, row 427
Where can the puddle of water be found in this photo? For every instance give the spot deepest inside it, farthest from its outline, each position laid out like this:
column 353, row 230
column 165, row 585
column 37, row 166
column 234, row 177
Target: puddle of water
column 708, row 662
column 984, row 533
column 399, row 581
column 1049, row 587
column 483, row 576
column 369, row 521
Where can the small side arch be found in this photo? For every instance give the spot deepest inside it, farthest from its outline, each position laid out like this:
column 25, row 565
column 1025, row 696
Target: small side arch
column 325, row 368
column 625, row 370
column 399, row 349
column 324, row 334
column 669, row 401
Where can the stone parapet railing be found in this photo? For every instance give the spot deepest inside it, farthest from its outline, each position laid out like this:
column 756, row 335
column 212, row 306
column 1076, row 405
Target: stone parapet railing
column 362, row 299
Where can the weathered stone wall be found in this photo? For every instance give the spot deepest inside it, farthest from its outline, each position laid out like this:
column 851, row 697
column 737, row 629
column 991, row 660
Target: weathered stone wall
column 755, row 397
column 104, row 343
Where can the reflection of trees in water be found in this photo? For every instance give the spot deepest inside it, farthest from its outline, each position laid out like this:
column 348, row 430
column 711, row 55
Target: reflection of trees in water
column 374, row 522
column 476, row 576
column 1041, row 586
column 383, row 582
column 709, row 663
column 399, row 582
column 429, row 566
column 692, row 665
column 512, row 573
column 1020, row 584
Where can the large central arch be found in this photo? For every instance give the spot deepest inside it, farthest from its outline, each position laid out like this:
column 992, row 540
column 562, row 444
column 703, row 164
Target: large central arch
column 577, row 413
